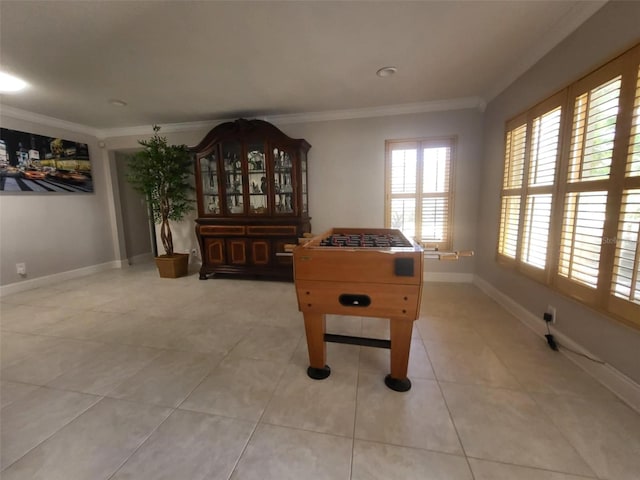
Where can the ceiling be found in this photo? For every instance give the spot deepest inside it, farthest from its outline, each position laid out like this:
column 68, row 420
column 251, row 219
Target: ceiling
column 193, row 61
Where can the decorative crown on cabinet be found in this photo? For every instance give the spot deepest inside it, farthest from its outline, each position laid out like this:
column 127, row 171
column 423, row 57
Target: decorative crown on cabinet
column 251, row 183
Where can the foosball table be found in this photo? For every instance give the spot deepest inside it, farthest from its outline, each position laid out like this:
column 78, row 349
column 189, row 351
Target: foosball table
column 360, row 272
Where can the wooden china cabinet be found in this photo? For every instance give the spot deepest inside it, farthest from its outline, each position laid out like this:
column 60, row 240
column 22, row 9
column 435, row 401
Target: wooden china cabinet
column 251, row 182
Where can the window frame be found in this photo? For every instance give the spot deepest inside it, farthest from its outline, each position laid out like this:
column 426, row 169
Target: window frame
column 420, row 144
column 525, row 191
column 603, row 297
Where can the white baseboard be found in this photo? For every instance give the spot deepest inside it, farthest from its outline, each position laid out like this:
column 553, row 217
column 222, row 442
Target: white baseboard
column 448, row 277
column 57, row 277
column 621, row 385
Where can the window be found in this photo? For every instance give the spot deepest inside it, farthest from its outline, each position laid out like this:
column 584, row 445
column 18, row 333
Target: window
column 531, row 153
column 625, row 284
column 588, row 182
column 418, row 199
column 570, row 200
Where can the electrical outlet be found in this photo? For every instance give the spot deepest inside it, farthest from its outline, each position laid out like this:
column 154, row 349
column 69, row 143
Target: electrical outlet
column 194, row 252
column 552, row 310
column 21, row 268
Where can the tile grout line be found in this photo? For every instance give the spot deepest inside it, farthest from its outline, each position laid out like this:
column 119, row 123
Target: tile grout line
column 58, row 430
column 255, row 427
column 143, row 442
column 446, row 404
column 355, row 410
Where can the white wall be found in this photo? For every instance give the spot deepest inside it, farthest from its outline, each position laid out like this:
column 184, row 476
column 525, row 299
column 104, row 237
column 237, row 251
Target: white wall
column 58, row 233
column 346, row 172
column 134, row 213
column 609, row 32
column 120, row 147
column 54, row 233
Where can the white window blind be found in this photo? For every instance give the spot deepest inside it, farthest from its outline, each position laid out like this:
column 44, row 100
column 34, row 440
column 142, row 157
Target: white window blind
column 626, row 268
column 531, row 158
column 633, row 161
column 592, row 141
column 509, row 216
column 403, row 171
column 626, row 275
column 435, row 194
column 594, row 129
column 544, row 148
column 536, row 230
column 581, row 242
column 514, row 157
column 543, row 159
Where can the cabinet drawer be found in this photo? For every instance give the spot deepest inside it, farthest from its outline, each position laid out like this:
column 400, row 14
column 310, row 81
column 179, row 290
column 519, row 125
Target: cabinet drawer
column 263, row 230
column 221, row 230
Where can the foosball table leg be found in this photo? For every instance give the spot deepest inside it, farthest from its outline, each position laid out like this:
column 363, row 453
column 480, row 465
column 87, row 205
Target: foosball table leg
column 315, row 327
column 400, row 347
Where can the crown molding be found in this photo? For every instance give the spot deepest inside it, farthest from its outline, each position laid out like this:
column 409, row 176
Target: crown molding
column 564, row 26
column 387, row 110
column 165, row 128
column 383, row 111
column 349, row 114
column 18, row 114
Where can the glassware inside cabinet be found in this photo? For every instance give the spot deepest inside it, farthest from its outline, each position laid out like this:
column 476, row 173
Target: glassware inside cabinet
column 234, row 180
column 209, row 179
column 305, row 201
column 282, row 181
column 257, row 174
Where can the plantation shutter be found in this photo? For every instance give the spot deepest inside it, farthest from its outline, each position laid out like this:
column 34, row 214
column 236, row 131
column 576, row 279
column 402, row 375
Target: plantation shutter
column 626, row 264
column 581, row 242
column 570, row 196
column 514, row 159
column 590, row 158
column 418, row 199
column 435, row 198
column 509, row 221
column 633, row 159
column 404, row 189
column 626, row 273
column 543, row 157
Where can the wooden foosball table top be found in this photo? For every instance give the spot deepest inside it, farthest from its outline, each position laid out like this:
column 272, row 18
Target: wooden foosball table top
column 380, row 264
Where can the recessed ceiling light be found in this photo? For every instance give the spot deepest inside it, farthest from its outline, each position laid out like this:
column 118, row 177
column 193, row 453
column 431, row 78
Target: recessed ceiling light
column 386, row 71
column 117, row 103
column 10, row 83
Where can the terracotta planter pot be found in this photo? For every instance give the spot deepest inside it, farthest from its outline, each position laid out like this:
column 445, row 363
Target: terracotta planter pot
column 173, row 266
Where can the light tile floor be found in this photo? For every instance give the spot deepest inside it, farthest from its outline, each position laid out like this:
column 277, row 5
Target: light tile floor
column 123, row 375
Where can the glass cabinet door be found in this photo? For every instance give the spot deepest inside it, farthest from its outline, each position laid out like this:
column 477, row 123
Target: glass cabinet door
column 282, row 182
column 234, row 180
column 257, row 173
column 305, row 200
column 209, row 179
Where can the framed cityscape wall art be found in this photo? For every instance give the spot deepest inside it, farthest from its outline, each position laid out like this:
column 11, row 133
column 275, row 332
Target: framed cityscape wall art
column 31, row 163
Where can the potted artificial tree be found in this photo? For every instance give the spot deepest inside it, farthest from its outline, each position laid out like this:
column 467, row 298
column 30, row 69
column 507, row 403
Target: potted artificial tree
column 161, row 173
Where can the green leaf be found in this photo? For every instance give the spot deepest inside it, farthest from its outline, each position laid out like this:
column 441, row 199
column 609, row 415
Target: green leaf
column 161, row 173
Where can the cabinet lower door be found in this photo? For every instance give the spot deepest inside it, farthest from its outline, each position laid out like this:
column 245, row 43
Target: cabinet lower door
column 260, row 252
column 237, row 251
column 214, row 251
column 244, row 251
